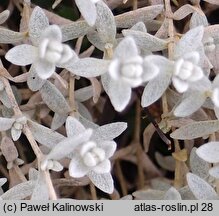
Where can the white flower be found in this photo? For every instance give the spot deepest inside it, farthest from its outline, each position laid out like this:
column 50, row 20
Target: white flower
column 186, row 71
column 89, row 151
column 48, row 50
column 127, row 70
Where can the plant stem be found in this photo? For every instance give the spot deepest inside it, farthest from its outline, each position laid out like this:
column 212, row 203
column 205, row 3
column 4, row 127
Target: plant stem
column 93, row 191
column 121, row 178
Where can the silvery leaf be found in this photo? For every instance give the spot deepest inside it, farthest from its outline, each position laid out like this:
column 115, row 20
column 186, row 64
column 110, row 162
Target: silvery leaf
column 6, row 123
column 213, row 2
column 198, row 19
column 54, row 99
column 102, row 181
column 67, row 145
column 37, row 24
column 166, row 162
column 4, row 16
column 88, row 10
column 33, row 174
column 214, row 171
column 126, row 49
column 83, row 111
column 74, row 30
column 146, row 41
column 105, row 23
column 7, row 36
column 189, row 42
column 172, row 194
column 44, row 135
column 40, row 191
column 73, row 127
column 155, row 88
column 87, row 123
column 89, row 67
column 200, row 188
column 209, row 152
column 160, row 184
column 8, row 149
column 189, row 104
column 24, row 54
column 127, row 20
column 84, row 94
column 196, row 130
column 140, row 26
column 4, row 99
column 2, row 181
column 148, row 194
column 15, row 134
column 119, row 92
column 186, row 193
column 198, row 166
column 94, row 38
column 58, row 120
column 20, row 191
column 34, row 82
column 109, row 131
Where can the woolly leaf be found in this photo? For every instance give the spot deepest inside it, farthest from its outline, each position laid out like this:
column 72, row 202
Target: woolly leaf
column 102, row 181
column 4, row 16
column 44, row 135
column 214, row 171
column 67, row 145
column 88, row 10
column 149, row 195
column 7, row 36
column 109, row 131
column 209, row 152
column 172, row 194
column 198, row 166
column 20, row 191
column 89, row 67
column 195, row 130
column 84, row 94
column 54, row 99
column 73, row 127
column 58, row 120
column 166, row 162
column 6, row 123
column 200, row 188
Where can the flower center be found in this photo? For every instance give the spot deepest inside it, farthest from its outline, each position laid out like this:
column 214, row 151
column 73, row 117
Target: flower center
column 131, row 70
column 91, row 154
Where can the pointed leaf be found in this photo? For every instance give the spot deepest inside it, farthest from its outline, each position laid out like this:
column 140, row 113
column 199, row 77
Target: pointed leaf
column 102, row 181
column 127, row 20
column 196, row 130
column 172, row 194
column 34, row 82
column 88, row 10
column 6, row 123
column 58, row 120
column 214, row 171
column 40, row 191
column 67, row 146
column 2, row 181
column 94, row 38
column 84, row 94
column 89, row 67
column 198, row 166
column 4, row 99
column 7, row 36
column 37, row 24
column 8, row 149
column 191, row 103
column 155, row 88
column 118, row 92
column 148, row 194
column 198, row 19
column 166, row 162
column 24, row 54
column 74, row 30
column 200, row 188
column 213, row 2
column 73, row 127
column 44, row 135
column 209, row 152
column 146, row 41
column 20, row 191
column 54, row 99
column 105, row 23
column 4, row 16
column 109, row 131
column 189, row 42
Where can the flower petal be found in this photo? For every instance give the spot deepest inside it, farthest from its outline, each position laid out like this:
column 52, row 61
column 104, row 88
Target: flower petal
column 44, row 69
column 37, row 24
column 102, row 181
column 52, row 32
column 22, row 54
column 73, row 127
column 180, row 85
column 109, row 147
column 77, row 168
column 103, row 167
column 118, row 92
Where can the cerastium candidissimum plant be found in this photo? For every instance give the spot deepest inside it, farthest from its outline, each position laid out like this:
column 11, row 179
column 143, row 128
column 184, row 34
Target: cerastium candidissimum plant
column 72, row 93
